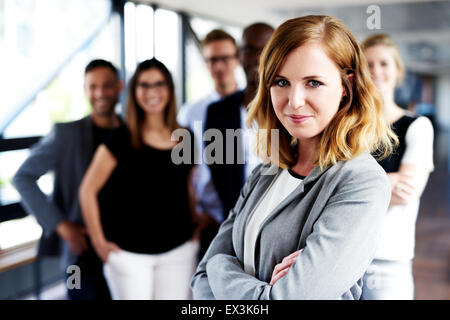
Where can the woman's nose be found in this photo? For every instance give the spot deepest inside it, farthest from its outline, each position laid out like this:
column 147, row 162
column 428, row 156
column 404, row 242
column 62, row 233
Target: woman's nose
column 375, row 70
column 297, row 97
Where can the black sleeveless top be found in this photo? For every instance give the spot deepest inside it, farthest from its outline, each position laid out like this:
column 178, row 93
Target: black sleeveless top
column 144, row 204
column 400, row 127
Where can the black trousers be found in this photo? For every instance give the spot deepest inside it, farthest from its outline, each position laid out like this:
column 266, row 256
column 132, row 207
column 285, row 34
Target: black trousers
column 93, row 283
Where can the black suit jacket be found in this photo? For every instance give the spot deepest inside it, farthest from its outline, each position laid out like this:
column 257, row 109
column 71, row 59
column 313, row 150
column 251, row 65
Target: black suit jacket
column 228, row 178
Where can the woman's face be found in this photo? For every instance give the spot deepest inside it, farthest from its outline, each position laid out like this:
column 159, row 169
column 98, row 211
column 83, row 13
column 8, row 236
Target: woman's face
column 382, row 67
column 152, row 91
column 307, row 91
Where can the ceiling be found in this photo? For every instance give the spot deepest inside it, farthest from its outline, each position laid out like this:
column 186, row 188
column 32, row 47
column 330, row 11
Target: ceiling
column 420, row 28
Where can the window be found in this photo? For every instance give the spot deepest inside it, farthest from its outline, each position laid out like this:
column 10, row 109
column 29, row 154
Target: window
column 198, row 80
column 152, row 33
column 46, row 85
column 139, row 42
column 19, row 231
column 167, row 45
column 29, row 58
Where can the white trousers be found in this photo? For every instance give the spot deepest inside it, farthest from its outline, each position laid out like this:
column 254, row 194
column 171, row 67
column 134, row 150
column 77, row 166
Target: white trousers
column 388, row 280
column 164, row 276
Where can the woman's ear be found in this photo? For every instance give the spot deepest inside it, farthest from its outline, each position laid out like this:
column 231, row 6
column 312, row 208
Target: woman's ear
column 351, row 77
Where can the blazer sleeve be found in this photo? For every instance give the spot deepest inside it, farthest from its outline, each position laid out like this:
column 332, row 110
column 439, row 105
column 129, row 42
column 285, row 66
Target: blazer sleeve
column 222, row 243
column 338, row 251
column 43, row 157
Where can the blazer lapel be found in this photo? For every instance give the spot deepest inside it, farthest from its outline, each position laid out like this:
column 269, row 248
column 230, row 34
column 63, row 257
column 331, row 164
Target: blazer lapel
column 296, row 194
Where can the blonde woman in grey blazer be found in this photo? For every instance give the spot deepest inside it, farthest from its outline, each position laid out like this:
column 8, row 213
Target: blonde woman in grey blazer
column 307, row 223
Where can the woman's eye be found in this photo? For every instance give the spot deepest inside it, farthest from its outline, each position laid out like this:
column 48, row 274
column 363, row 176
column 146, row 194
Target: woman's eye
column 314, row 83
column 281, row 83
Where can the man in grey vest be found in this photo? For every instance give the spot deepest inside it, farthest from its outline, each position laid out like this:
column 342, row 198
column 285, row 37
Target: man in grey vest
column 67, row 151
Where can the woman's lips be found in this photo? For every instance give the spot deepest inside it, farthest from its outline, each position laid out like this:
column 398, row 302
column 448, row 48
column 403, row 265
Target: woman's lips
column 298, row 119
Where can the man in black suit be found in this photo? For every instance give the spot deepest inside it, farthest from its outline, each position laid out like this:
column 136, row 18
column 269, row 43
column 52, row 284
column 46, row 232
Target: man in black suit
column 231, row 113
column 67, row 151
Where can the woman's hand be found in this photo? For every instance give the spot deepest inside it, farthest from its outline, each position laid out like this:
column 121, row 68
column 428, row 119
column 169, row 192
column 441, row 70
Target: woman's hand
column 282, row 268
column 96, row 176
column 104, row 248
column 403, row 188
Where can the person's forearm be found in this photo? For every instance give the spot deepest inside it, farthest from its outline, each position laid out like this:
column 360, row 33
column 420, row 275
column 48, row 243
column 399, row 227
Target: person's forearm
column 407, row 184
column 36, row 203
column 221, row 244
column 200, row 286
column 419, row 176
column 228, row 280
column 91, row 215
column 43, row 158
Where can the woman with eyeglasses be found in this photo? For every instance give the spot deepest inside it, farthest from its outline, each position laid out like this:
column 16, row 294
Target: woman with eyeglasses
column 137, row 202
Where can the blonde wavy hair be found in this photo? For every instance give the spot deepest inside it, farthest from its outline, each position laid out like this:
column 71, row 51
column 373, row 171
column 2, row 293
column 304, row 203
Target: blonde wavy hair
column 357, row 127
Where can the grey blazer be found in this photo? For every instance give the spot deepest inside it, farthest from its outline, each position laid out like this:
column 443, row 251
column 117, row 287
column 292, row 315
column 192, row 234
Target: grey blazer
column 67, row 151
column 334, row 215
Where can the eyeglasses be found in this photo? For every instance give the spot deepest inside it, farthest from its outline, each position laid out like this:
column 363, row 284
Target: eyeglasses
column 147, row 86
column 216, row 59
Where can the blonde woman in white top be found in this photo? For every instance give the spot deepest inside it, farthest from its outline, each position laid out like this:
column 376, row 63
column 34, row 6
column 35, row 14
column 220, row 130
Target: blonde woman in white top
column 390, row 275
